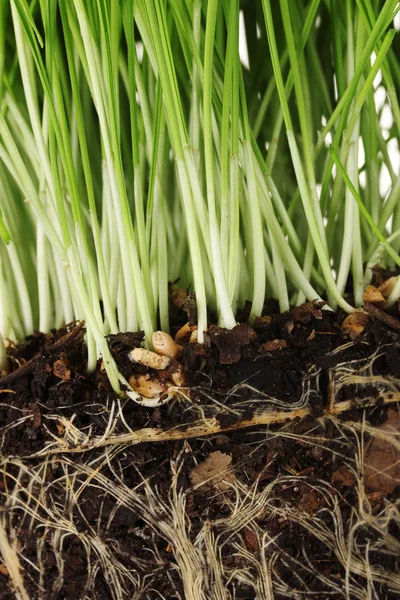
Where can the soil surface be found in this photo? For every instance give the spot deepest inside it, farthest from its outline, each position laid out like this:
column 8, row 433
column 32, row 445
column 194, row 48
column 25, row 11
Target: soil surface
column 298, row 508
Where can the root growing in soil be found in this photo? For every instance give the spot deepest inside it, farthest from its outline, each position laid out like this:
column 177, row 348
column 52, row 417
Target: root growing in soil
column 255, row 491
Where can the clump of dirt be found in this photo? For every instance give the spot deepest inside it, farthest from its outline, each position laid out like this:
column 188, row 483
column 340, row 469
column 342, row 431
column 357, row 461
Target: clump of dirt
column 243, row 496
column 381, row 462
column 214, row 472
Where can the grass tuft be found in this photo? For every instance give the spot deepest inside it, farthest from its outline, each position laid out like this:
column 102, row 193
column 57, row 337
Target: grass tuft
column 137, row 149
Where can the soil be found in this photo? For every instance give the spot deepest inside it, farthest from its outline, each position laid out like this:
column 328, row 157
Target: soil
column 300, row 507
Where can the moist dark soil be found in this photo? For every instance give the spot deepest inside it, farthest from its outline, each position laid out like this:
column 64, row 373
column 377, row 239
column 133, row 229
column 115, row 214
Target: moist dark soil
column 101, row 522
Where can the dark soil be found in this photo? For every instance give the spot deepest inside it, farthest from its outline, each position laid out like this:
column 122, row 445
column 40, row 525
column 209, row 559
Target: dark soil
column 73, row 513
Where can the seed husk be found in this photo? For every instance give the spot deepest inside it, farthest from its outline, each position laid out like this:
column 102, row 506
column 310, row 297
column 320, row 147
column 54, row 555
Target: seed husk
column 177, row 377
column 165, row 345
column 183, row 335
column 147, row 387
column 193, row 337
column 387, row 286
column 355, row 323
column 372, row 295
column 147, row 358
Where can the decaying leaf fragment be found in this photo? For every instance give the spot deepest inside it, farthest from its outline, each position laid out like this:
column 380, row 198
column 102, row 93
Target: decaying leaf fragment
column 214, row 472
column 274, row 345
column 62, row 370
column 382, row 458
column 231, row 341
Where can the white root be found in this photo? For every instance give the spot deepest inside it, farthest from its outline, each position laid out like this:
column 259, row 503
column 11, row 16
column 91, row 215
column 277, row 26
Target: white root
column 9, row 553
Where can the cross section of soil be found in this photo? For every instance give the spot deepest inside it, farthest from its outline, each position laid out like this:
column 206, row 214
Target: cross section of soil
column 273, row 473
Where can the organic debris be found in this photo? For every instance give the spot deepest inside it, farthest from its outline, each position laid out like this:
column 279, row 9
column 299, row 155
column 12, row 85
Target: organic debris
column 355, row 323
column 387, row 286
column 184, row 334
column 274, row 345
column 231, row 342
column 164, row 345
column 189, row 305
column 214, row 472
column 389, row 320
column 373, row 295
column 61, row 369
column 382, row 458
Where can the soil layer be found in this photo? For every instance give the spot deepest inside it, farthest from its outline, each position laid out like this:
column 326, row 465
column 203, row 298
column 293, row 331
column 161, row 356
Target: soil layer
column 308, row 507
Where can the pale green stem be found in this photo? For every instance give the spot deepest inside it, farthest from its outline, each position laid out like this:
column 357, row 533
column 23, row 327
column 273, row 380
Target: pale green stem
column 225, row 310
column 394, row 294
column 46, row 317
column 3, row 356
column 349, row 217
column 280, row 278
column 307, row 266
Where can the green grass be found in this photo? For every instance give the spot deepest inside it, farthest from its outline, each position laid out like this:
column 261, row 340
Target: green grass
column 136, row 149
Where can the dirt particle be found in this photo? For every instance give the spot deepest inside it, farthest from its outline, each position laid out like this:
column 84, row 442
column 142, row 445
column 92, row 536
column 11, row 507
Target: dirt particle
column 309, row 501
column 37, row 415
column 343, row 477
column 274, row 345
column 251, row 540
column 221, row 440
column 213, row 472
column 61, row 369
column 231, row 342
column 382, row 459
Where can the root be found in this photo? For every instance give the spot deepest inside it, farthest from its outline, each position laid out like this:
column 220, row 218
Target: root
column 74, row 441
column 359, row 538
column 355, row 381
column 44, row 498
column 11, row 562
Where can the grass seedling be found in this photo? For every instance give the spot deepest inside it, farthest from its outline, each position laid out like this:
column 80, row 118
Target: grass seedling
column 138, row 148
